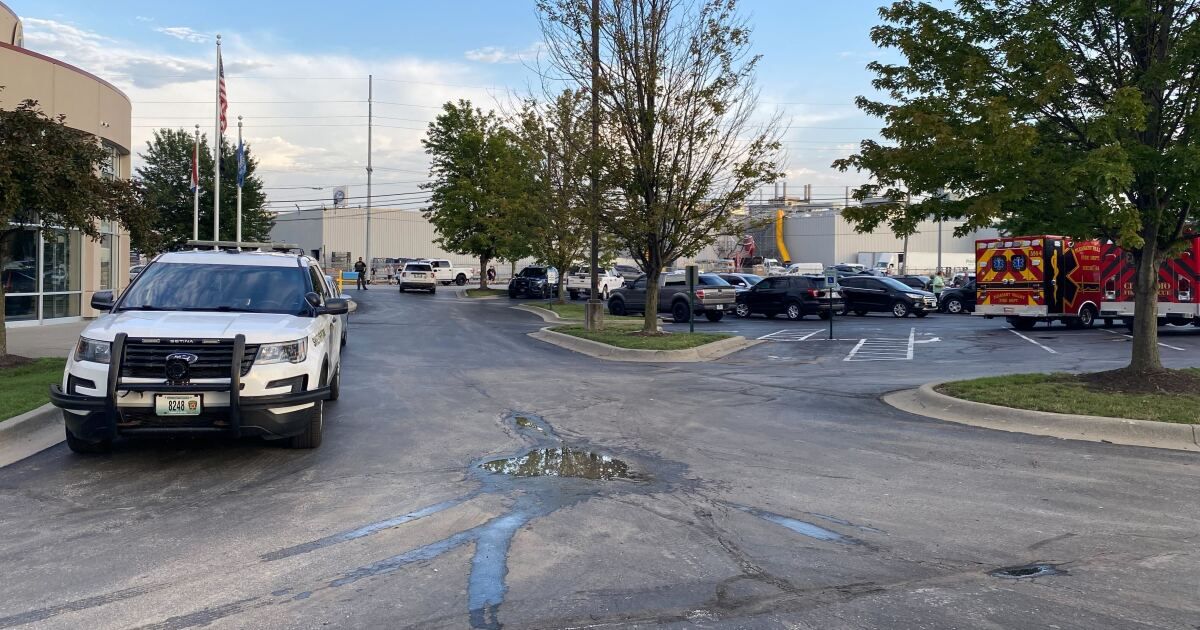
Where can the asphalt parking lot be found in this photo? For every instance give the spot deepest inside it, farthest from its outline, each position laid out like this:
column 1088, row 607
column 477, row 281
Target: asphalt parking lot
column 770, row 489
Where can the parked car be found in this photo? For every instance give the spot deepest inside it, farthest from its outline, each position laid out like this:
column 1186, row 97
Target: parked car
column 231, row 343
column 924, row 283
column 344, row 317
column 793, row 296
column 534, row 281
column 713, row 297
column 880, row 294
column 579, row 282
column 418, row 275
column 134, row 271
column 628, row 272
column 741, row 282
column 446, row 272
column 955, row 300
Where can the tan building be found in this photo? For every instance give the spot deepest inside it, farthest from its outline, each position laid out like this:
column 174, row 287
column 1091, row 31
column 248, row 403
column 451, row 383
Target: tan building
column 51, row 276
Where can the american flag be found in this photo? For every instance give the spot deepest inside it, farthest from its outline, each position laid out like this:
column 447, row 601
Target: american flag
column 222, row 99
column 195, row 166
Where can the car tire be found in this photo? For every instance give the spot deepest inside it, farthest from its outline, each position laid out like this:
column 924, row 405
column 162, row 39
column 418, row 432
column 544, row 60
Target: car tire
column 604, row 294
column 311, row 437
column 1022, row 323
column 794, row 312
column 900, row 309
column 742, row 310
column 954, row 306
column 714, row 316
column 1087, row 317
column 433, row 289
column 85, row 447
column 402, row 289
column 861, row 312
column 460, row 280
column 512, row 295
column 679, row 312
column 344, row 339
column 616, row 307
column 824, row 315
column 920, row 314
column 574, row 294
column 335, row 388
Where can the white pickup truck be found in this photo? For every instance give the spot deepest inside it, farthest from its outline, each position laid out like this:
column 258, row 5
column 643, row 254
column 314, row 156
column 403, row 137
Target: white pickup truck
column 447, row 273
column 579, row 282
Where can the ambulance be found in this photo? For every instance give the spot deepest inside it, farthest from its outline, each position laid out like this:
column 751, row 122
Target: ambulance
column 1177, row 279
column 1031, row 279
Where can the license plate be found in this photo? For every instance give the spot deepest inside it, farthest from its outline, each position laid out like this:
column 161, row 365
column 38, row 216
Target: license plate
column 177, row 404
column 720, row 307
column 418, row 275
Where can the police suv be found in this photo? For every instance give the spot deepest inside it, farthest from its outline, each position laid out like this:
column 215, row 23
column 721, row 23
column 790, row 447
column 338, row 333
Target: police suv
column 221, row 341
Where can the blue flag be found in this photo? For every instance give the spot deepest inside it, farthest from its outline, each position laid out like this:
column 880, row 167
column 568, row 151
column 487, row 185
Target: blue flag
column 241, row 163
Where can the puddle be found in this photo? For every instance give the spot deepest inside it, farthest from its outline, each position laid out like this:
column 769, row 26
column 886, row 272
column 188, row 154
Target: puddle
column 804, row 528
column 562, row 462
column 1027, row 571
column 525, row 423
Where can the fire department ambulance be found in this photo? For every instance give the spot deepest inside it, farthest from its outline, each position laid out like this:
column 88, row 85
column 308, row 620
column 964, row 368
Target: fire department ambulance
column 1031, row 279
column 1177, row 278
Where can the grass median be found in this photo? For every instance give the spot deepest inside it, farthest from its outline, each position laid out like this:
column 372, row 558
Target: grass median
column 627, row 334
column 1172, row 396
column 478, row 293
column 26, row 386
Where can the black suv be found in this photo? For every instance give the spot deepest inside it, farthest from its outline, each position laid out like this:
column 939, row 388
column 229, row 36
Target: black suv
column 866, row 294
column 537, row 282
column 794, row 296
column 958, row 299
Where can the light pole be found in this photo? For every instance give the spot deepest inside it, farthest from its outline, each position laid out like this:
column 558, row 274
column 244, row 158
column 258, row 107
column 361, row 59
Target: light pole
column 594, row 311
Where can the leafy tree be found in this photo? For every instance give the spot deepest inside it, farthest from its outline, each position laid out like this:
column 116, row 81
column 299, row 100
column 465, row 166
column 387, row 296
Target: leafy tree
column 482, row 185
column 1072, row 116
column 559, row 136
column 166, row 174
column 676, row 90
column 50, row 178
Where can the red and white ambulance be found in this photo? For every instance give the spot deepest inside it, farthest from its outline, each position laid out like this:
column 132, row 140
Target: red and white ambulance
column 1031, row 279
column 1177, row 280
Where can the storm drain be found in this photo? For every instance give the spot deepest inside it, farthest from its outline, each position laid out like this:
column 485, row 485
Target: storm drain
column 1027, row 571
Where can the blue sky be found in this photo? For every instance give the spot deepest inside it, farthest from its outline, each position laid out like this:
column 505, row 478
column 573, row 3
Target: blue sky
column 423, row 53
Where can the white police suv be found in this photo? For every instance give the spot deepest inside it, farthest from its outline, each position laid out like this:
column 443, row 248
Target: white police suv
column 229, row 342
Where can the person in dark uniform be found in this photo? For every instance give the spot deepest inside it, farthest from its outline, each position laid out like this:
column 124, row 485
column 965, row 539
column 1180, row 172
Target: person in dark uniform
column 361, row 268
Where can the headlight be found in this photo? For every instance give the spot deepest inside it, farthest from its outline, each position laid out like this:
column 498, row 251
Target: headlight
column 286, row 352
column 915, row 296
column 94, row 351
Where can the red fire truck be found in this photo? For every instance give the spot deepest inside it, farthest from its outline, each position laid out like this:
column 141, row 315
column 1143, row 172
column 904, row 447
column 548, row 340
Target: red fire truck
column 1177, row 279
column 1031, row 279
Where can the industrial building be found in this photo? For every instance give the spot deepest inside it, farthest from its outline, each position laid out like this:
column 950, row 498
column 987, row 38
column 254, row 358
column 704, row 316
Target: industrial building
column 50, row 275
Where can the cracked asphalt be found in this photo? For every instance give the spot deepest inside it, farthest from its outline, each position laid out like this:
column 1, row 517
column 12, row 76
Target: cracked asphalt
column 773, row 490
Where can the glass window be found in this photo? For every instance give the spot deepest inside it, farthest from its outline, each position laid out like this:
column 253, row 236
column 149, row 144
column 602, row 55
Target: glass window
column 62, row 305
column 18, row 261
column 533, row 272
column 640, row 283
column 106, row 261
column 20, row 308
column 318, row 282
column 60, row 260
column 709, row 280
column 894, row 284
column 183, row 287
column 110, row 167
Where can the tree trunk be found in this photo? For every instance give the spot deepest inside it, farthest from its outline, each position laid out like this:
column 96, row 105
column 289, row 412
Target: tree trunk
column 650, row 319
column 562, row 288
column 483, row 265
column 3, row 330
column 1145, row 298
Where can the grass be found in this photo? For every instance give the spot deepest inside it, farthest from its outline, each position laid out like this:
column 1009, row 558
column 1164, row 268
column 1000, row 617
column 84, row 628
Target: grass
column 477, row 292
column 1068, row 393
column 26, row 387
column 627, row 334
column 572, row 310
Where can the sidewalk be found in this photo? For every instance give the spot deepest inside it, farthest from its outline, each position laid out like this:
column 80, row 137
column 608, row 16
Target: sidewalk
column 50, row 340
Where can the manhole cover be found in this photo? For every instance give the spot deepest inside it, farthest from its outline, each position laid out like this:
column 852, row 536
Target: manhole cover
column 1027, row 571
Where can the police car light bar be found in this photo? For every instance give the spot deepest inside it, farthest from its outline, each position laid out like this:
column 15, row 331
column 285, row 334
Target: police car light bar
column 234, row 245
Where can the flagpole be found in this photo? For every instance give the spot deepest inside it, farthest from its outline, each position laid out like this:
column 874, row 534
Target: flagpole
column 217, row 154
column 194, row 174
column 239, row 181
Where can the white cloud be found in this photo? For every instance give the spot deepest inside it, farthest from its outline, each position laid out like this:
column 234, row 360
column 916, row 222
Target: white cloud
column 142, row 18
column 500, row 54
column 185, row 33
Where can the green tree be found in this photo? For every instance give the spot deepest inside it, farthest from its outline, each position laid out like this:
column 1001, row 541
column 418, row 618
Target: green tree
column 558, row 135
column 482, row 185
column 676, row 90
column 166, row 175
column 1072, row 116
column 50, row 178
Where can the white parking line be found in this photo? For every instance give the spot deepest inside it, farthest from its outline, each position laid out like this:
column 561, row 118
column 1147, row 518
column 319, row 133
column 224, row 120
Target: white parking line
column 789, row 335
column 1046, row 348
column 884, row 349
column 1131, row 337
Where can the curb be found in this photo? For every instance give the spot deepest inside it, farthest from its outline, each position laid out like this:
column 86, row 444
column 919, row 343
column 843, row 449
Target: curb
column 30, row 433
column 595, row 349
column 924, row 401
column 549, row 317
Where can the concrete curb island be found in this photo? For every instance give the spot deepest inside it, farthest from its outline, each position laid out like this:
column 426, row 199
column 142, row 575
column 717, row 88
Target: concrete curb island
column 706, row 352
column 924, row 401
column 30, row 433
column 549, row 317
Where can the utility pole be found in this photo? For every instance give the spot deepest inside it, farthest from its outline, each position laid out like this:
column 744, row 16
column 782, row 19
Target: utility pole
column 370, row 129
column 904, row 256
column 594, row 313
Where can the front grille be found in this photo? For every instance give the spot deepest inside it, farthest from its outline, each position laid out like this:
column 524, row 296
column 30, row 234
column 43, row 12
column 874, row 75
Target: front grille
column 149, row 359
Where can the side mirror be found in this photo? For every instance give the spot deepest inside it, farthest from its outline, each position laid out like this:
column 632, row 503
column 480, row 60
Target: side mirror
column 102, row 300
column 335, row 306
column 313, row 298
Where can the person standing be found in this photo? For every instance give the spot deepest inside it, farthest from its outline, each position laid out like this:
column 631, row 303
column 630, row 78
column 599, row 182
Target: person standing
column 939, row 284
column 361, row 268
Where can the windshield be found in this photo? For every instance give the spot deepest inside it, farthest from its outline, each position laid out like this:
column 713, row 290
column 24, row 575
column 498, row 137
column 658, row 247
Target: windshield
column 240, row 288
column 533, row 272
column 896, row 284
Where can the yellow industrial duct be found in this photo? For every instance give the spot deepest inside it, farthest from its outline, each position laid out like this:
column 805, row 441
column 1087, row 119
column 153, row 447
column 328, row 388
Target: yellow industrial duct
column 783, row 252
